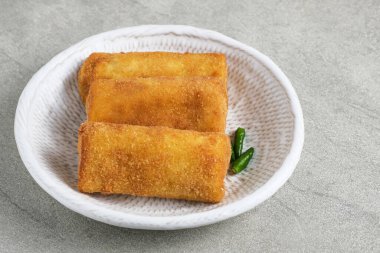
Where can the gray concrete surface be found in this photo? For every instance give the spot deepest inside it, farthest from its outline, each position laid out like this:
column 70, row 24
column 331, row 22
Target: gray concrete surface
column 330, row 50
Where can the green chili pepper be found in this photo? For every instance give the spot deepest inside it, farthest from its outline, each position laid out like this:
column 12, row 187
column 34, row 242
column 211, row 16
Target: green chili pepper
column 232, row 153
column 241, row 163
column 239, row 138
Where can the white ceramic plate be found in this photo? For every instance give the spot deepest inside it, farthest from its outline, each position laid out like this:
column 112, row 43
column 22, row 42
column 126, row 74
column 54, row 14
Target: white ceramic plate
column 261, row 99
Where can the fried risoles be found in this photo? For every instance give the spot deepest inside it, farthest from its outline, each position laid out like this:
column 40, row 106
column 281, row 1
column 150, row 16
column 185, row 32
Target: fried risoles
column 149, row 64
column 184, row 103
column 152, row 161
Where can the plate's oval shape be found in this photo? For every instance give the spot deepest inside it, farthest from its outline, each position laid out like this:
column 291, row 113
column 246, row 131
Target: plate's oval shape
column 261, row 99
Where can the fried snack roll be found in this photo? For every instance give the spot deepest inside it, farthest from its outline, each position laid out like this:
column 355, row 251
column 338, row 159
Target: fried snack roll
column 152, row 161
column 149, row 64
column 185, row 103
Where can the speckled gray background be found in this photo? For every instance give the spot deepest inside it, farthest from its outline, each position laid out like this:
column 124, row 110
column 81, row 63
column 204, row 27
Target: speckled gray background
column 330, row 50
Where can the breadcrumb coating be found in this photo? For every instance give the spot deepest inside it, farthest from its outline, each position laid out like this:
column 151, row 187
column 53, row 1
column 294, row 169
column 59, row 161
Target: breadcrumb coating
column 152, row 161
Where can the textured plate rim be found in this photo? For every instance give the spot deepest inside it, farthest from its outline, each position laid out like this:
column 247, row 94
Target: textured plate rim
column 122, row 219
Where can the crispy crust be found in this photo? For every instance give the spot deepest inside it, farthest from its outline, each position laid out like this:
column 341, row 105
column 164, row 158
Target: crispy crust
column 86, row 73
column 149, row 64
column 184, row 103
column 152, row 161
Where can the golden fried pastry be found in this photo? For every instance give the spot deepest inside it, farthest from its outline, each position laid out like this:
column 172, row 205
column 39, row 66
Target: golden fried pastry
column 149, row 64
column 185, row 103
column 152, row 161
